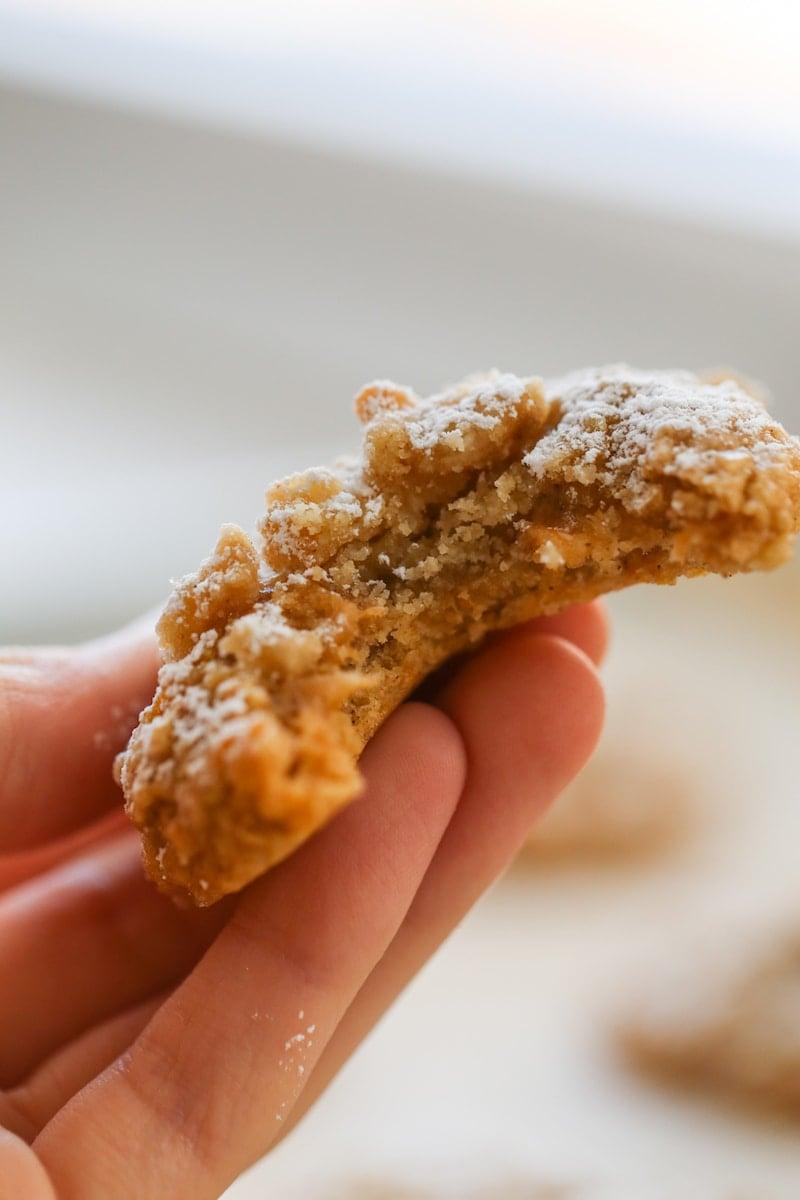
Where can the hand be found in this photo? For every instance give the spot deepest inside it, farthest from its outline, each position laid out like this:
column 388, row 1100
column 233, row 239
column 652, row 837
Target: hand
column 149, row 1051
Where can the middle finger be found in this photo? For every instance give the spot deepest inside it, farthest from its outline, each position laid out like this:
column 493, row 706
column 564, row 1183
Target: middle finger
column 84, row 941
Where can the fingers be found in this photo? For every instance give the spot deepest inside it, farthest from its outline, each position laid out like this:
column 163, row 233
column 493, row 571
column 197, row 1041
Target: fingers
column 17, row 868
column 95, row 934
column 65, row 713
column 546, row 709
column 21, row 1173
column 63, row 716
column 99, row 934
column 546, row 715
column 399, row 965
column 209, row 1082
column 25, row 1110
column 585, row 625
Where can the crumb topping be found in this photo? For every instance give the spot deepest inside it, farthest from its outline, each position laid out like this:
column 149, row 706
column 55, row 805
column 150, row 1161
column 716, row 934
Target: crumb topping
column 492, row 502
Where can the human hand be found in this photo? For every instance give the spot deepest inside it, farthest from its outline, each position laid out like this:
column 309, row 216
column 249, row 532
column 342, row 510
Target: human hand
column 149, row 1051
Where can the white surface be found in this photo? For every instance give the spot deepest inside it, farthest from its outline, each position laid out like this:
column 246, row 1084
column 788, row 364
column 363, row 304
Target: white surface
column 679, row 106
column 183, row 314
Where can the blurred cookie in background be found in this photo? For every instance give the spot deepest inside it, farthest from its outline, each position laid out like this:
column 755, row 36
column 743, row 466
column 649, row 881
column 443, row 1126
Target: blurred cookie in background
column 514, row 1189
column 726, row 1022
column 373, row 1189
column 627, row 804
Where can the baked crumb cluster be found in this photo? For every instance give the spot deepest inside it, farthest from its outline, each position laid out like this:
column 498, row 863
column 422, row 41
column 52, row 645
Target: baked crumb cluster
column 490, row 503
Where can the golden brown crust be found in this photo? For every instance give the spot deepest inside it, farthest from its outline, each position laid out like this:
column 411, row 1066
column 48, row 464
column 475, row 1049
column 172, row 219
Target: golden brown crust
column 496, row 501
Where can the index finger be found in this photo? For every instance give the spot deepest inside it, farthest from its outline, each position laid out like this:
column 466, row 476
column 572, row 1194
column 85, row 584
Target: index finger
column 210, row 1081
column 64, row 714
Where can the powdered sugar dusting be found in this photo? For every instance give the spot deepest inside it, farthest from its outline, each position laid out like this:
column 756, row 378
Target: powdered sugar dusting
column 619, row 426
column 444, row 421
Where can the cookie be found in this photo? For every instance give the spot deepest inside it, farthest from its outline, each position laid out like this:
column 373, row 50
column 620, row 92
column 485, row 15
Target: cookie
column 496, row 501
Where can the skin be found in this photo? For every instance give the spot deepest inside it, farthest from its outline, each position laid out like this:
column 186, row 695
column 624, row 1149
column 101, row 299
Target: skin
column 144, row 1049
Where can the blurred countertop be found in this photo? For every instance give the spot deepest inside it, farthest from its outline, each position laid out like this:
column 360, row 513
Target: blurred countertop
column 686, row 107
